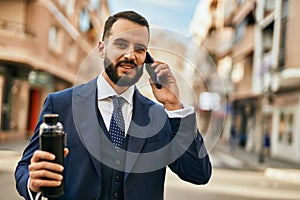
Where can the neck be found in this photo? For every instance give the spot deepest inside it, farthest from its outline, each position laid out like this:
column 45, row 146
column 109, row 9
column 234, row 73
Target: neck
column 119, row 90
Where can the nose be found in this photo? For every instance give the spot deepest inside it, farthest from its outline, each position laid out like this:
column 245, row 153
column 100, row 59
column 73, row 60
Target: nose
column 129, row 54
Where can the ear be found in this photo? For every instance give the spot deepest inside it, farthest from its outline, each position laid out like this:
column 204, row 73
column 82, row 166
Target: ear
column 101, row 49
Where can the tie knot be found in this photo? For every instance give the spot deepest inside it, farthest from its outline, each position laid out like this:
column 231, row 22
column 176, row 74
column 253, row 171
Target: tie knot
column 118, row 102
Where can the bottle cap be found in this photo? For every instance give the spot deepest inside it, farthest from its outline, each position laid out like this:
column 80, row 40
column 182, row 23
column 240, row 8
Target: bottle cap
column 51, row 119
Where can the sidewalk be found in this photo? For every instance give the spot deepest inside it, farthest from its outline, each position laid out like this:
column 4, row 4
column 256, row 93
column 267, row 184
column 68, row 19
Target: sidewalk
column 272, row 167
column 14, row 146
column 252, row 159
column 10, row 154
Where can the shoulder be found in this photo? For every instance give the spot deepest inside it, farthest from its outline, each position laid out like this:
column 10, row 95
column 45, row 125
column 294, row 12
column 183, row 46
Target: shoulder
column 79, row 89
column 143, row 102
column 140, row 98
column 65, row 97
column 62, row 93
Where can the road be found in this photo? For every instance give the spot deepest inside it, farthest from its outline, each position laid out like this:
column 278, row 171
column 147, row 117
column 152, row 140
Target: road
column 232, row 185
column 8, row 161
column 231, row 180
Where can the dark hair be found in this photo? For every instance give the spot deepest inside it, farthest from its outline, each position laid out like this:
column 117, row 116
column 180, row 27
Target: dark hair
column 129, row 15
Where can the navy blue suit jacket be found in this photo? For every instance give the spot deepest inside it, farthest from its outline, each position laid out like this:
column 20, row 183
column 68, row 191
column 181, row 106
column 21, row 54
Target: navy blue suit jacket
column 86, row 140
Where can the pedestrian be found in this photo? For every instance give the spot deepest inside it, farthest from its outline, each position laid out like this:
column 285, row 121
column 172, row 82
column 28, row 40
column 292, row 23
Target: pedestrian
column 267, row 143
column 101, row 164
column 232, row 139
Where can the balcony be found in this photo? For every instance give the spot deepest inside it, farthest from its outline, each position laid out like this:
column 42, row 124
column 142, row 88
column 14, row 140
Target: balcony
column 17, row 42
column 286, row 80
column 246, row 44
column 269, row 7
column 243, row 11
column 219, row 42
column 17, row 27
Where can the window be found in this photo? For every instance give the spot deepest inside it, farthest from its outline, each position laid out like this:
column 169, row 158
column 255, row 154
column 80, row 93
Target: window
column 238, row 72
column 62, row 2
column 225, row 66
column 95, row 4
column 286, row 124
column 54, row 39
column 84, row 20
column 72, row 53
column 284, row 21
column 70, row 7
column 240, row 30
column 240, row 2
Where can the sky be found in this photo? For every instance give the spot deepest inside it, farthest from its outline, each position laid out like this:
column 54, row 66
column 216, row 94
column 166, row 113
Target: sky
column 174, row 15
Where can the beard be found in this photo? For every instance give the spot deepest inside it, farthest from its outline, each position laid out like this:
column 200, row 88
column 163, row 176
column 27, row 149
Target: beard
column 125, row 80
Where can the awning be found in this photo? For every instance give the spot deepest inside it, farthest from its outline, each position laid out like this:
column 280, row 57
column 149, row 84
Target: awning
column 286, row 80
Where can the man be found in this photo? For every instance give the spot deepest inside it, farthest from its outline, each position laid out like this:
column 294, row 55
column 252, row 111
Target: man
column 100, row 164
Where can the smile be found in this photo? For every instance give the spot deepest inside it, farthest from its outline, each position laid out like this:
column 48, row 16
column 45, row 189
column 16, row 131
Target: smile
column 127, row 66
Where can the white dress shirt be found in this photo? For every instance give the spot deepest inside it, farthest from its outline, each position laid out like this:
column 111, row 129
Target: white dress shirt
column 105, row 103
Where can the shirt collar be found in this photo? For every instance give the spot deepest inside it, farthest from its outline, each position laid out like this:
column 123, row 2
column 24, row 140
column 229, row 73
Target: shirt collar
column 106, row 91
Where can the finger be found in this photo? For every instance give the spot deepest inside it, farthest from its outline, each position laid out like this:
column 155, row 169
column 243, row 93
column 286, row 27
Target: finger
column 42, row 155
column 66, row 151
column 36, row 184
column 45, row 174
column 163, row 72
column 152, row 84
column 44, row 165
column 157, row 65
column 160, row 66
column 157, row 62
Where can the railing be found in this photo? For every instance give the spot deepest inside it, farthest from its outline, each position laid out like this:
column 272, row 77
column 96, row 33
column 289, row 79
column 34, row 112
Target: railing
column 269, row 6
column 15, row 26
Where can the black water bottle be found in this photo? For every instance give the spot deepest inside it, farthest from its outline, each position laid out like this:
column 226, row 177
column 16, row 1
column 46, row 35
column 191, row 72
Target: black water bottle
column 52, row 139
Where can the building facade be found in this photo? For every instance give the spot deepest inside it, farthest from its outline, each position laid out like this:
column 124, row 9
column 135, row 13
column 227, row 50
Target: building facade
column 285, row 81
column 263, row 67
column 42, row 46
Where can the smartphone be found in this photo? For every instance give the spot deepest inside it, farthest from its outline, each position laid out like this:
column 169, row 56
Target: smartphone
column 148, row 61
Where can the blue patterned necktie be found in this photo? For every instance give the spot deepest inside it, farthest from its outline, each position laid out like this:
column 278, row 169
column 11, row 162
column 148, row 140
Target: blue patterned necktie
column 117, row 124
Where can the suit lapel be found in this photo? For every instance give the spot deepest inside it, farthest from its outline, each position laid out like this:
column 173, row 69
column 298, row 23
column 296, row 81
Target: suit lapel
column 138, row 131
column 86, row 121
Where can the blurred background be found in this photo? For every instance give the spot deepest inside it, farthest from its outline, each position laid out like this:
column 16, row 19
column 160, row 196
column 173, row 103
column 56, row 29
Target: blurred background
column 237, row 62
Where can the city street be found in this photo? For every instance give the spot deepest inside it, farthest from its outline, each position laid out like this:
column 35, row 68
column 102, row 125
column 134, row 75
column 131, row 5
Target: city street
column 8, row 160
column 231, row 180
column 232, row 185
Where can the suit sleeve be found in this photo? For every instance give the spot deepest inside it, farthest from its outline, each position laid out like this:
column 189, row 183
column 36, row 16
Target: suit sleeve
column 193, row 164
column 22, row 172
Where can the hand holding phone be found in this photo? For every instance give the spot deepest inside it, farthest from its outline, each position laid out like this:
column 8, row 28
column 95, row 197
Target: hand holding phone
column 148, row 62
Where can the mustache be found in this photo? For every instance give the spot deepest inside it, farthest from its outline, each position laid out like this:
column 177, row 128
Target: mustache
column 126, row 62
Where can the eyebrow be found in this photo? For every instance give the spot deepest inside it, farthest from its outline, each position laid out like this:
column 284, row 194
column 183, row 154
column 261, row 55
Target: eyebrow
column 140, row 45
column 120, row 40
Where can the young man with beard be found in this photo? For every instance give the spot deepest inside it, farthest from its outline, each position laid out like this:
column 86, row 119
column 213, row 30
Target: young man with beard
column 101, row 164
